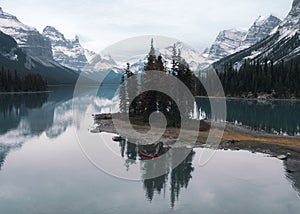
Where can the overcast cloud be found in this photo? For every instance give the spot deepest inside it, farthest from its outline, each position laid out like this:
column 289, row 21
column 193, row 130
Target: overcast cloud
column 102, row 23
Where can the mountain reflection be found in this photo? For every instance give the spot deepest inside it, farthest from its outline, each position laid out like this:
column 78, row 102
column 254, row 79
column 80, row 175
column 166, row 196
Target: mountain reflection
column 25, row 116
column 177, row 178
column 4, row 150
column 15, row 107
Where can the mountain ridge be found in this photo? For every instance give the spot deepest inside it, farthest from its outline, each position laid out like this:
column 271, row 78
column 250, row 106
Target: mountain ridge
column 28, row 38
column 283, row 45
column 233, row 40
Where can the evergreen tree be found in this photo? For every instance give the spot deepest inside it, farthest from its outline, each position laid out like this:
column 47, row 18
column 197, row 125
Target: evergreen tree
column 132, row 89
column 123, row 96
column 280, row 79
column 149, row 98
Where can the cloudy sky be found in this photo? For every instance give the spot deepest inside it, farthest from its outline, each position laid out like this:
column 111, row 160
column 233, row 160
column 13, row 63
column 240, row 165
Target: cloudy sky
column 101, row 23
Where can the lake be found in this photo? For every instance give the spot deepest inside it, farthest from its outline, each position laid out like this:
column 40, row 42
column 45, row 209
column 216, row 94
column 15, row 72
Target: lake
column 43, row 168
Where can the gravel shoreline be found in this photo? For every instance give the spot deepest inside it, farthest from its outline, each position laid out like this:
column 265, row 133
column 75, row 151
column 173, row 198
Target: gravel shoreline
column 286, row 148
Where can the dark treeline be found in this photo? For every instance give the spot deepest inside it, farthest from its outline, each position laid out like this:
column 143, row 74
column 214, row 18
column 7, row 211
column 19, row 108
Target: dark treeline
column 280, row 80
column 12, row 82
column 152, row 101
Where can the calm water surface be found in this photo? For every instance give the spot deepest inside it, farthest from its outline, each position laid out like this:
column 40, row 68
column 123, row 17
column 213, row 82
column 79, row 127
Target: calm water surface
column 43, row 169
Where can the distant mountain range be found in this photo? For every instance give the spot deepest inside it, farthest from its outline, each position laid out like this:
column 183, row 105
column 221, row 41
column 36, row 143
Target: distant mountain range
column 67, row 52
column 13, row 57
column 283, row 44
column 60, row 60
column 25, row 50
column 28, row 38
column 231, row 41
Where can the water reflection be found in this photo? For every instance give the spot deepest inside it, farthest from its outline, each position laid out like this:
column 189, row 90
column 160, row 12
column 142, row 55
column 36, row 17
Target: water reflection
column 15, row 107
column 279, row 117
column 295, row 179
column 23, row 118
column 177, row 178
column 27, row 116
column 292, row 168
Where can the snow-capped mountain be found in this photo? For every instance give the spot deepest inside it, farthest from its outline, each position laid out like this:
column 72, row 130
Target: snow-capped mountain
column 67, row 52
column 14, row 58
column 261, row 28
column 227, row 42
column 194, row 59
column 28, row 38
column 24, row 49
column 70, row 53
column 291, row 23
column 231, row 41
column 283, row 44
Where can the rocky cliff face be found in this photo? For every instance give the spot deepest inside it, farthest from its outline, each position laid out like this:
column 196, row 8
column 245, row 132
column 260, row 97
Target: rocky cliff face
column 261, row 28
column 292, row 22
column 283, row 44
column 231, row 41
column 67, row 52
column 28, row 38
column 227, row 42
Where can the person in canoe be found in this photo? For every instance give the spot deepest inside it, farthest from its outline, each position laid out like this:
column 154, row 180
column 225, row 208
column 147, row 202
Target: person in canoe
column 152, row 151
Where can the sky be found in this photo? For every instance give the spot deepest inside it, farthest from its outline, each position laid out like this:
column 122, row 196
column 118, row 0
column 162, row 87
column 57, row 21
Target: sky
column 100, row 23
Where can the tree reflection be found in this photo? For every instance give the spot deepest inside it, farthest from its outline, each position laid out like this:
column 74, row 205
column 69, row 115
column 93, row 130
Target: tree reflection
column 10, row 103
column 14, row 107
column 180, row 177
column 177, row 178
column 293, row 173
column 4, row 150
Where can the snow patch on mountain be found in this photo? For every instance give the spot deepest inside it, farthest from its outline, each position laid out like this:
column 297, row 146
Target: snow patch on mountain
column 261, row 28
column 28, row 38
column 67, row 52
column 232, row 41
column 193, row 57
column 282, row 45
column 227, row 43
column 70, row 53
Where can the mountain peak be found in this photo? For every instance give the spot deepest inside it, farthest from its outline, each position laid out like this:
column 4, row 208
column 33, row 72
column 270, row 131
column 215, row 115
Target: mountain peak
column 234, row 40
column 76, row 39
column 50, row 28
column 261, row 20
column 27, row 37
column 67, row 52
column 292, row 22
column 261, row 28
column 7, row 15
column 296, row 3
column 226, row 42
column 53, row 34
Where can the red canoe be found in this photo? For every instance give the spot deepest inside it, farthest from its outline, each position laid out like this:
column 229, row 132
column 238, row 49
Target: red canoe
column 148, row 156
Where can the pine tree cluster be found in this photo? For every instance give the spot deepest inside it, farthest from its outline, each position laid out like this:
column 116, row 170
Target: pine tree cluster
column 254, row 77
column 14, row 83
column 153, row 101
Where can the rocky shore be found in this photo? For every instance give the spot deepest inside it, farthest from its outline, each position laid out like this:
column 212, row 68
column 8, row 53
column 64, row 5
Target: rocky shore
column 286, row 148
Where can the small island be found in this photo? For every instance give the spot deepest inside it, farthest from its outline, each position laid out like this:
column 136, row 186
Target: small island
column 235, row 137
